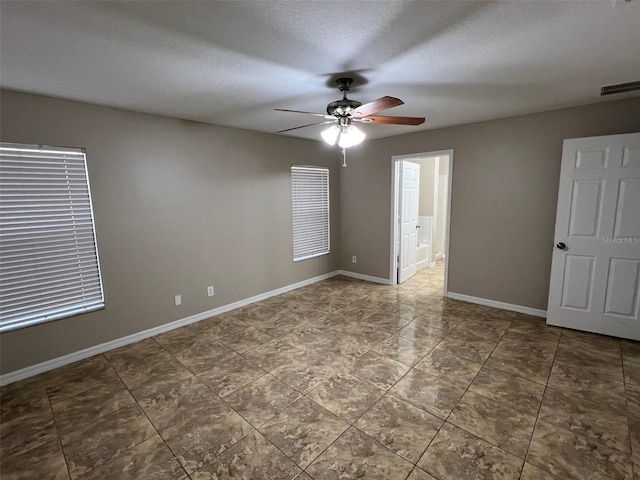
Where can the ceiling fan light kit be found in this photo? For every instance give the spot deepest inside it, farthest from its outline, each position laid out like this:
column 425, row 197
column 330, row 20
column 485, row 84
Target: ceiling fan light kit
column 342, row 113
column 344, row 134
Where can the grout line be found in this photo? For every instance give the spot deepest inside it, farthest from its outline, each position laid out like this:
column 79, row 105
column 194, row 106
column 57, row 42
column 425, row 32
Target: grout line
column 390, row 306
column 546, row 385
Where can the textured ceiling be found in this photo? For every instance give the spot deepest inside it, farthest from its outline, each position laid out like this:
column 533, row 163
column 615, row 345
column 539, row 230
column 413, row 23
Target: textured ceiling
column 232, row 62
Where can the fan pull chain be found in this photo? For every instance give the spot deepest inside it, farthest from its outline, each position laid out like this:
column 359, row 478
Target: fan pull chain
column 344, row 157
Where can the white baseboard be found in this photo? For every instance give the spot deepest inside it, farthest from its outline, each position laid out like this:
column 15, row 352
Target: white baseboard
column 495, row 304
column 361, row 276
column 136, row 337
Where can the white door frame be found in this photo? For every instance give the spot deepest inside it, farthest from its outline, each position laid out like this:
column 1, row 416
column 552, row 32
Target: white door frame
column 394, row 230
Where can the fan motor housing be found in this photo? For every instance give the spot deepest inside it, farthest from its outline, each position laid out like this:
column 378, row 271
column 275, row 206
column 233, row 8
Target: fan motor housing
column 342, row 107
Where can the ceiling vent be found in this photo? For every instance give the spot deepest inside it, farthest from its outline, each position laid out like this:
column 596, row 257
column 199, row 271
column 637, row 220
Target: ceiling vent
column 619, row 88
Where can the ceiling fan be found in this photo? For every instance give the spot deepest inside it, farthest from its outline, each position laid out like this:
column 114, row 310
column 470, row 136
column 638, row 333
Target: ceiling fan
column 344, row 113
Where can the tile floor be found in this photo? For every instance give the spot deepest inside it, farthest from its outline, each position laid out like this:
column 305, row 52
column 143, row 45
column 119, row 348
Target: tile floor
column 339, row 380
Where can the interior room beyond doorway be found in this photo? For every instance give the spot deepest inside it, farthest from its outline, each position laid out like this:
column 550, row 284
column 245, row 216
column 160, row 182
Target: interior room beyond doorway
column 420, row 215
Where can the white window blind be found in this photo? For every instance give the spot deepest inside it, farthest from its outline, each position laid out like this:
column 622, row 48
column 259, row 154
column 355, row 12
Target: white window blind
column 49, row 265
column 310, row 206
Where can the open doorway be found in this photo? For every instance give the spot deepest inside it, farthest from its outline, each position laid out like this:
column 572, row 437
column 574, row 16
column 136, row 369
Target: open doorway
column 421, row 201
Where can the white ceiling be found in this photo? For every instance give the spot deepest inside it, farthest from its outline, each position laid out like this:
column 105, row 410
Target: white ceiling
column 232, row 62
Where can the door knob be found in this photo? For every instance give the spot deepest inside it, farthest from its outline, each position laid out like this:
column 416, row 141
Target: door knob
column 417, row 226
column 561, row 245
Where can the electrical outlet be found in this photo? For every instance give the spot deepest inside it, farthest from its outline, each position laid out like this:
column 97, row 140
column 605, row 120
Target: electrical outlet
column 210, row 291
column 354, row 259
column 178, row 300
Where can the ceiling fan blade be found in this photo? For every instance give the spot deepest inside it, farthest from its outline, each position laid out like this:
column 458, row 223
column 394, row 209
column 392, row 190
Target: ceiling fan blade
column 376, row 106
column 308, row 113
column 394, row 120
column 303, row 126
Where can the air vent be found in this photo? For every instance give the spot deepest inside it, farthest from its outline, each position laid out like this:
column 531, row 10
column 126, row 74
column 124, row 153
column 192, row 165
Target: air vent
column 619, row 88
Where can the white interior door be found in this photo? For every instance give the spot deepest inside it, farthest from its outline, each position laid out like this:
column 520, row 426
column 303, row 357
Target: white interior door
column 595, row 271
column 410, row 190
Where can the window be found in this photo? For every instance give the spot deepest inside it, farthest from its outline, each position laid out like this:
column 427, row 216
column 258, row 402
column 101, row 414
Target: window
column 310, row 207
column 48, row 256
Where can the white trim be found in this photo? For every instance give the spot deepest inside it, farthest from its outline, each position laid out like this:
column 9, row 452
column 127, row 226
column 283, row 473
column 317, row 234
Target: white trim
column 494, row 303
column 393, row 264
column 136, row 337
column 368, row 278
column 393, row 243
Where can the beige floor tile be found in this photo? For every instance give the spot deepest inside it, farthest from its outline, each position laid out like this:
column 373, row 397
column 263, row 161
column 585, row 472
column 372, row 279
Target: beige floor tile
column 83, row 408
column 591, row 341
column 146, row 368
column 354, row 456
column 419, row 474
column 399, row 426
column 429, row 393
column 535, row 329
column 531, row 472
column 633, row 412
column 402, row 350
column 246, row 339
column 449, row 367
column 457, row 455
column 200, row 438
column 203, row 354
column 175, row 405
column 453, row 307
column 404, row 312
column 272, row 355
column 45, row 461
column 509, row 390
column 346, row 396
column 599, row 417
column 22, row 398
column 303, row 377
column 502, row 426
column 474, row 349
column 492, row 313
column 422, row 333
column 364, row 335
column 305, row 337
column 303, row 430
column 630, row 351
column 632, row 383
column 387, row 321
column 221, row 325
column 183, row 338
column 519, row 356
column 262, row 399
column 489, row 329
column 379, row 370
column 151, row 459
column 106, row 439
column 79, row 377
column 575, row 377
column 26, row 433
column 335, row 344
column 569, row 455
column 436, row 321
column 228, row 376
column 252, row 457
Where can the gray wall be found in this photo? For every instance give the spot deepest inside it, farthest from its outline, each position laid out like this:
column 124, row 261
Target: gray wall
column 178, row 206
column 504, row 193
